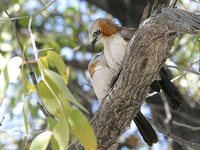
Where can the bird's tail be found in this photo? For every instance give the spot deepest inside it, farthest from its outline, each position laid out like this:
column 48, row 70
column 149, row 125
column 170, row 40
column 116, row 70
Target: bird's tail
column 145, row 129
column 171, row 92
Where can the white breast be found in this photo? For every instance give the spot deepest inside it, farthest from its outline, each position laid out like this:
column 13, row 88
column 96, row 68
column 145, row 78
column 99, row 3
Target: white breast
column 101, row 81
column 114, row 50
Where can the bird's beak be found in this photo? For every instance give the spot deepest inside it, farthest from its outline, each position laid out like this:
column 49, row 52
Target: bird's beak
column 93, row 44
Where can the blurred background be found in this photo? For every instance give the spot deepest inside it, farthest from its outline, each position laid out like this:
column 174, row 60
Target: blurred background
column 63, row 28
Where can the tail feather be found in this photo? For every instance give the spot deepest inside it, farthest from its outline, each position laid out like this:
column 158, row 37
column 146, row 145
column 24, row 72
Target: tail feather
column 171, row 92
column 155, row 86
column 145, row 129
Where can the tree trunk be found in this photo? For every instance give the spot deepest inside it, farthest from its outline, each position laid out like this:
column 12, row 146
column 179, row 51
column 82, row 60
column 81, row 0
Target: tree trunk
column 146, row 53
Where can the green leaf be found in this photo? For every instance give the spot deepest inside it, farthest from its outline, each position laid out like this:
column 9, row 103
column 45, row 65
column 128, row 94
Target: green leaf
column 55, row 60
column 59, row 83
column 58, row 94
column 29, row 87
column 9, row 74
column 51, row 124
column 48, row 99
column 82, row 130
column 41, row 141
column 61, row 134
column 44, row 62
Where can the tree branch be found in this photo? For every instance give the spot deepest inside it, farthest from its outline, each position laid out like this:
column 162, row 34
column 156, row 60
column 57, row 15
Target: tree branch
column 146, row 53
column 193, row 143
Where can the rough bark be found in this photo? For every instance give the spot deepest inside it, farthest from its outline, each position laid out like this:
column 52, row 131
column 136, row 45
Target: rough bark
column 146, row 53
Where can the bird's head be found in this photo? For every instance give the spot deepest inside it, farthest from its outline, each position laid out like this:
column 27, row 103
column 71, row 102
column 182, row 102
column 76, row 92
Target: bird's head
column 101, row 29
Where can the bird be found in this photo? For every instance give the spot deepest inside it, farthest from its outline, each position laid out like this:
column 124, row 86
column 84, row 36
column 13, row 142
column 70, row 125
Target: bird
column 101, row 75
column 115, row 40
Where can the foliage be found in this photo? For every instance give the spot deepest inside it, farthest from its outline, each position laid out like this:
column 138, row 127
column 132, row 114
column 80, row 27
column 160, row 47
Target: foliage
column 51, row 72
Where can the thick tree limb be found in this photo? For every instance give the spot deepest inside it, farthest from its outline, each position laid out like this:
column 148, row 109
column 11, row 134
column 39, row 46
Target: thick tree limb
column 146, row 53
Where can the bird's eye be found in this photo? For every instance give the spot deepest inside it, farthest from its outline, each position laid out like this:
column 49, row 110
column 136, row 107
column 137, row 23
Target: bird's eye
column 96, row 33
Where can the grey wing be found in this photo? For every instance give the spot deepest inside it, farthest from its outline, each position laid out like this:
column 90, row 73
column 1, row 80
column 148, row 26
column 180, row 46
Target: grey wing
column 127, row 33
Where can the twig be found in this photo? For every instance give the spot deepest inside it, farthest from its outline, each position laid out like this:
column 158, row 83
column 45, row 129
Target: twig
column 33, row 15
column 185, row 125
column 15, row 18
column 190, row 65
column 2, row 121
column 197, row 1
column 166, row 108
column 44, row 110
column 178, row 77
column 35, row 50
column 22, row 49
column 192, row 143
column 46, row 49
column 195, row 61
column 188, row 85
column 32, row 74
column 184, row 69
column 43, row 8
column 172, row 3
